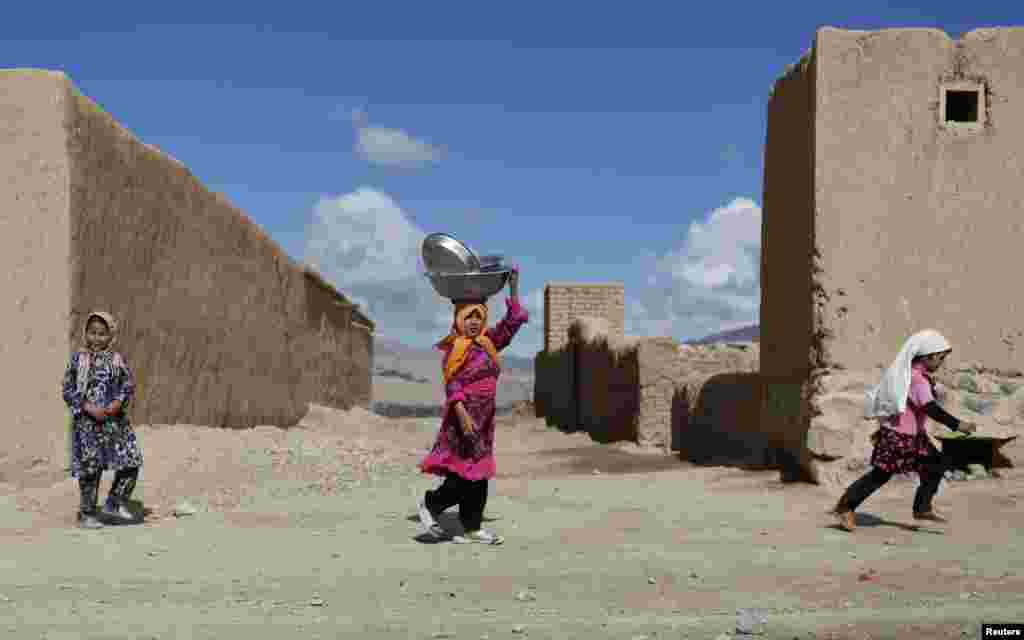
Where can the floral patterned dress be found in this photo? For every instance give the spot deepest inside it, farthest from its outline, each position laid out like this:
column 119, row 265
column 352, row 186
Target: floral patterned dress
column 112, row 445
column 471, row 456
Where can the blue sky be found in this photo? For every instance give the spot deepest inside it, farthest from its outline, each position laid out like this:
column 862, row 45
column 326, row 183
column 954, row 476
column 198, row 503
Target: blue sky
column 614, row 144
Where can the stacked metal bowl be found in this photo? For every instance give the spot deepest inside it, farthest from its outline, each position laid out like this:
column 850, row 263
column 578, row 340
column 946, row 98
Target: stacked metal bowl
column 457, row 273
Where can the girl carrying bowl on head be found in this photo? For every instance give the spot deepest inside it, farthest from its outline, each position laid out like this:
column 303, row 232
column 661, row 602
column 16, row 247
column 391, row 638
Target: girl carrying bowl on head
column 463, row 453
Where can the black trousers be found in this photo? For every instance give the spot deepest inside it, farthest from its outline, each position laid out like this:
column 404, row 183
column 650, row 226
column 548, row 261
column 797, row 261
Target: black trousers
column 470, row 495
column 934, row 467
column 120, row 490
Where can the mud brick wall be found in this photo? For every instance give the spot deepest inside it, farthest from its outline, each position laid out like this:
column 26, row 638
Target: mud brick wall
column 919, row 233
column 565, row 302
column 719, row 395
column 554, row 387
column 703, row 401
column 659, row 372
column 614, row 388
column 219, row 325
column 787, row 257
column 35, row 245
column 607, row 387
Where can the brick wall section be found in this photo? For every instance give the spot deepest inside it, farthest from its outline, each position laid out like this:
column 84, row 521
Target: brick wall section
column 659, row 373
column 219, row 325
column 565, row 302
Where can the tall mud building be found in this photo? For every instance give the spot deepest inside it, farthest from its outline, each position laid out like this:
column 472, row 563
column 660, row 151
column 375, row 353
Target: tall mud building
column 893, row 202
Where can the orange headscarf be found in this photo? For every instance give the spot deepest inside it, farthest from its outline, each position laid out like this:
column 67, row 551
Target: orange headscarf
column 460, row 342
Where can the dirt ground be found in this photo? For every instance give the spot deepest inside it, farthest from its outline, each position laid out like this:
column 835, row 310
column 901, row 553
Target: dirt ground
column 310, row 533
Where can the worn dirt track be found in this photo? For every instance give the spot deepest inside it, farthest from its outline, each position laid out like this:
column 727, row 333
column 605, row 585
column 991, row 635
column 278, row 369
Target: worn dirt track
column 309, row 534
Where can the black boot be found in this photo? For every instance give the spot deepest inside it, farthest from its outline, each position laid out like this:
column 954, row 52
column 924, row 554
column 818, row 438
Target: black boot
column 120, row 491
column 88, row 488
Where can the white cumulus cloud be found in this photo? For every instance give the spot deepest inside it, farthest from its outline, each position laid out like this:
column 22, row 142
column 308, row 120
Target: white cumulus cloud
column 392, row 147
column 710, row 283
column 367, row 247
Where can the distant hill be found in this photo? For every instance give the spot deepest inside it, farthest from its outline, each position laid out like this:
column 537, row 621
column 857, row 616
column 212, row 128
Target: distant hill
column 386, row 350
column 390, row 353
column 750, row 333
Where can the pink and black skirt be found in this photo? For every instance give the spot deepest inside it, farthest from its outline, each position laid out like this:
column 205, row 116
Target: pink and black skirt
column 897, row 452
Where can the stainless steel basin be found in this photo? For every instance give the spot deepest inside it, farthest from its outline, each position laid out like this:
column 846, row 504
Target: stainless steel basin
column 444, row 254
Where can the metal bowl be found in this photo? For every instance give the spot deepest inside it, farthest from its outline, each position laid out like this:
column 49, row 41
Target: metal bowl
column 491, row 263
column 444, row 254
column 469, row 286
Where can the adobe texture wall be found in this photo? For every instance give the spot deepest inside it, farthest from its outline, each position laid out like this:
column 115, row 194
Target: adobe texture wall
column 910, row 217
column 219, row 325
column 36, row 246
column 915, row 218
column 787, row 258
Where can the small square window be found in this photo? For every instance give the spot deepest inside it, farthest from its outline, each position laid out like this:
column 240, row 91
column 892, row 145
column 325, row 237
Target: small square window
column 962, row 106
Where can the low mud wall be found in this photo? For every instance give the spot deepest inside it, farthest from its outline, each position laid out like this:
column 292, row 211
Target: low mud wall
column 607, row 385
column 719, row 399
column 703, row 402
column 724, row 425
column 555, row 387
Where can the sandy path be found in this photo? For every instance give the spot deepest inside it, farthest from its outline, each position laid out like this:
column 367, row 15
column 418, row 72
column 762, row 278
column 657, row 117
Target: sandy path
column 308, row 534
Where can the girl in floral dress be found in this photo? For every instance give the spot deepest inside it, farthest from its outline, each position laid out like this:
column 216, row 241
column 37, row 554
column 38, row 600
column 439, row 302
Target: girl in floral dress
column 903, row 401
column 464, row 450
column 98, row 387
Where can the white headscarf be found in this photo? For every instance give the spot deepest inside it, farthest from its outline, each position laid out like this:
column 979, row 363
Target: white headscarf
column 889, row 398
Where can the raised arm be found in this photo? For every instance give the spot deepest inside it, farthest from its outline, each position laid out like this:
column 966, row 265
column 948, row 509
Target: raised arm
column 503, row 332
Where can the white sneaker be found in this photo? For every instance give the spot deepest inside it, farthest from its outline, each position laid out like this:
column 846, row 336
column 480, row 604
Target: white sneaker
column 427, row 519
column 480, row 537
column 117, row 512
column 429, row 522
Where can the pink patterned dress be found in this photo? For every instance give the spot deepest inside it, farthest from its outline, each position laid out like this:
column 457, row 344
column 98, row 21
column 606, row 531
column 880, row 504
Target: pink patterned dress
column 471, row 456
column 902, row 443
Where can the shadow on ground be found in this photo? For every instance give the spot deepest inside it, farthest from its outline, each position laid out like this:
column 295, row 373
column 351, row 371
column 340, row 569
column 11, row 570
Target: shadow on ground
column 867, row 520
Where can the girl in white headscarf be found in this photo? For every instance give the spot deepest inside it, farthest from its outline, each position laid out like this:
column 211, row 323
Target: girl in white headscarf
column 902, row 402
column 98, row 387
